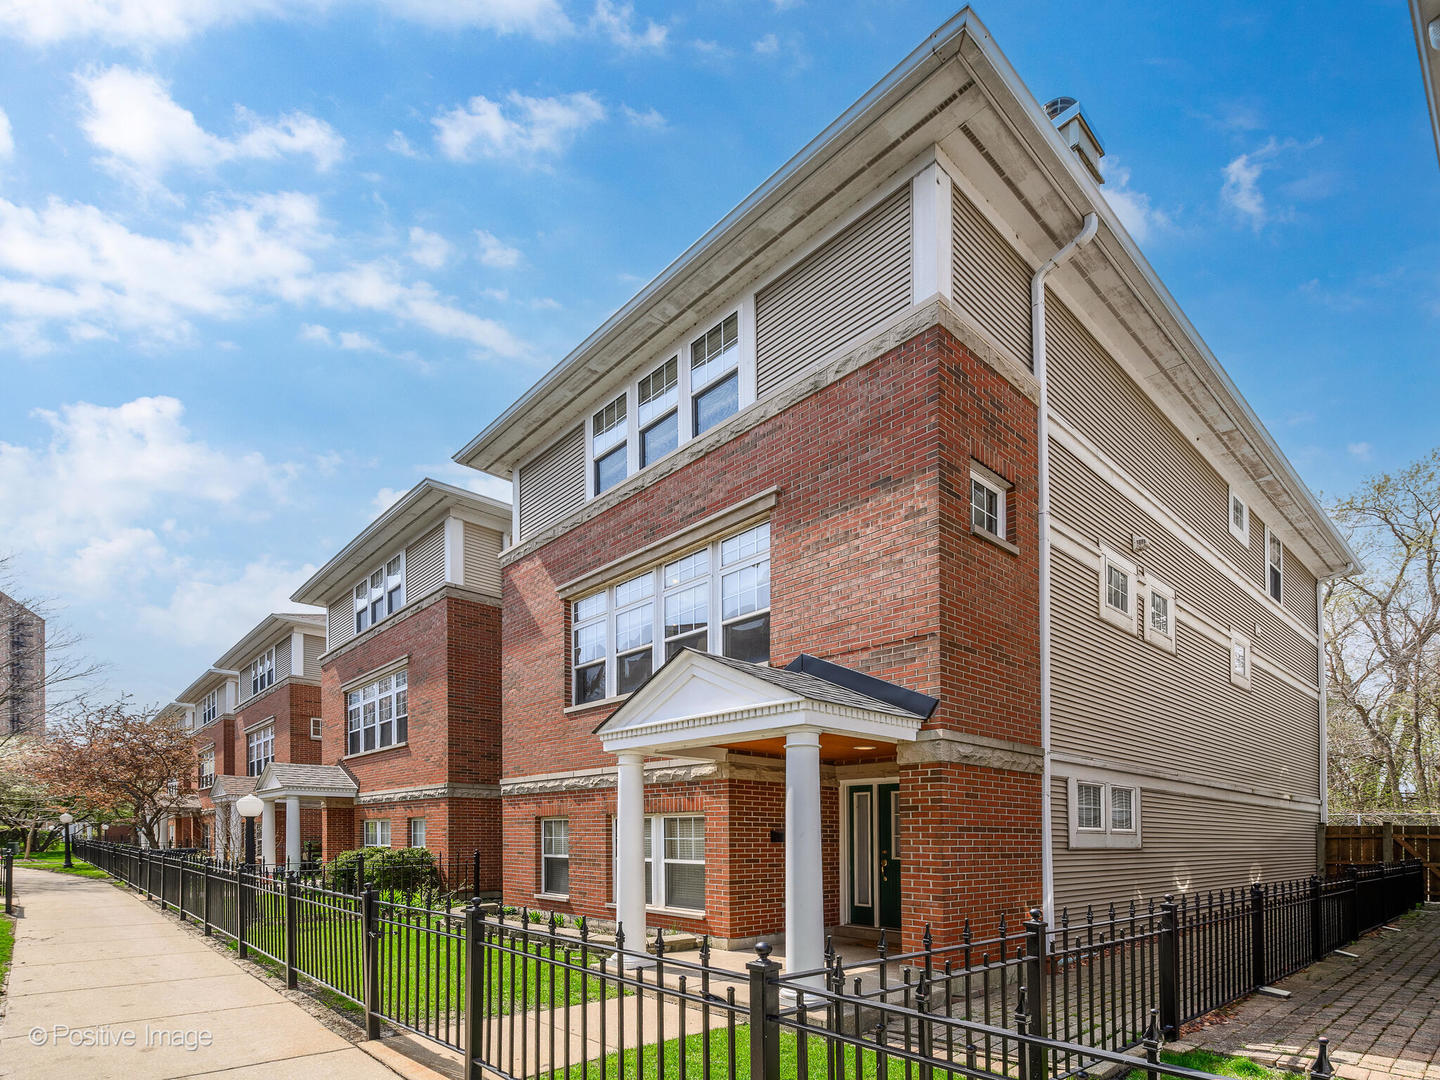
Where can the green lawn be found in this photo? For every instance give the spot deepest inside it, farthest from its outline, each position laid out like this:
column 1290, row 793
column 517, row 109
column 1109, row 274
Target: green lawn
column 54, row 860
column 7, row 947
column 1219, row 1064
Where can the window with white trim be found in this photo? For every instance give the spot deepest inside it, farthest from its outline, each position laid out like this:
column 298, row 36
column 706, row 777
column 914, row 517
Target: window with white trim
column 677, row 877
column 555, row 856
column 715, row 599
column 1240, row 660
column 1103, row 813
column 987, row 505
column 317, row 726
column 377, row 714
column 259, row 749
column 415, row 827
column 1274, row 566
column 700, row 384
column 377, row 832
column 262, row 672
column 207, row 770
column 380, row 593
column 209, row 707
column 1239, row 518
column 1118, row 589
column 1159, row 614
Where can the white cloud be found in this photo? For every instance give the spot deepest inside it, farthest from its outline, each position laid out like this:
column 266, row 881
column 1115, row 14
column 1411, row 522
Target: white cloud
column 768, row 45
column 385, row 498
column 355, row 341
column 524, row 129
column 399, row 144
column 319, row 334
column 651, row 119
column 70, row 265
column 148, row 22
column 211, row 608
column 430, row 250
column 495, row 252
column 1132, row 207
column 143, row 132
column 1361, row 450
column 1241, row 190
column 7, row 138
column 109, row 561
column 616, row 22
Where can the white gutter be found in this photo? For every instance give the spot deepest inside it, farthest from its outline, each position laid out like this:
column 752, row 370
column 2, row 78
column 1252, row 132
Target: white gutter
column 1042, row 499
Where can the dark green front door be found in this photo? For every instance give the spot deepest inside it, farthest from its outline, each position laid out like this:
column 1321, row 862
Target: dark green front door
column 873, row 855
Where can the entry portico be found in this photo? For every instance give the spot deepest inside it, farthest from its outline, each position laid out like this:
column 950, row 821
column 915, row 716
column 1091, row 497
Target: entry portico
column 811, row 707
column 307, row 787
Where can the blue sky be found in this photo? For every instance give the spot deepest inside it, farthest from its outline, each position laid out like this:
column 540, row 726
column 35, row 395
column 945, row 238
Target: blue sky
column 264, row 264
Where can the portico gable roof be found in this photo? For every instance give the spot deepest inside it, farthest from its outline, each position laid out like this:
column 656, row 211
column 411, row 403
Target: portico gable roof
column 283, row 779
column 701, row 700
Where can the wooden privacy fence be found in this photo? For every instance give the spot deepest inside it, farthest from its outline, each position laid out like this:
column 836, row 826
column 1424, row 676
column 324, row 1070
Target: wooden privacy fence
column 1385, row 842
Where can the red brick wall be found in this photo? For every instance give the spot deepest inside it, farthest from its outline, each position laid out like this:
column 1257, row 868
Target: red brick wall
column 872, row 565
column 292, row 704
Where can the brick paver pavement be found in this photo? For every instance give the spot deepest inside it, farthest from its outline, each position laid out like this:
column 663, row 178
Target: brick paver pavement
column 1381, row 1011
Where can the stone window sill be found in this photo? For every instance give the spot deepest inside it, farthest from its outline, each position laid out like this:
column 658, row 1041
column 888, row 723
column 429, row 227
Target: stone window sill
column 998, row 541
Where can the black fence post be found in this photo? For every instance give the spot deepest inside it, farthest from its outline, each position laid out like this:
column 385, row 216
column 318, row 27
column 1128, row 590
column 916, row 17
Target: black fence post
column 9, row 882
column 1322, row 1069
column 1352, row 924
column 1317, row 920
column 474, row 966
column 241, row 913
column 475, row 875
column 205, row 895
column 1257, row 935
column 370, row 959
column 1169, row 967
column 145, row 871
column 181, row 894
column 764, row 1015
column 292, row 931
column 1035, row 977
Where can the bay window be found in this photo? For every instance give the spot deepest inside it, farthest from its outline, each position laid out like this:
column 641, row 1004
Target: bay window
column 377, row 714
column 715, row 599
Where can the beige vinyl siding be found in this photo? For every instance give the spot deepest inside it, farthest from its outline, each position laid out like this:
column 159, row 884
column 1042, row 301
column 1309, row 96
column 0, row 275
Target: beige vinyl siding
column 1090, row 391
column 850, row 285
column 1189, row 844
column 282, row 659
column 314, row 646
column 482, row 558
column 341, row 616
column 1298, row 591
column 1117, row 698
column 425, row 564
column 553, row 484
column 990, row 280
column 1253, row 564
column 1098, row 512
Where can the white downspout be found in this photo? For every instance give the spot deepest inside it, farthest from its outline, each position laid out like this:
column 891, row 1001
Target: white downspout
column 1042, row 500
column 1321, row 681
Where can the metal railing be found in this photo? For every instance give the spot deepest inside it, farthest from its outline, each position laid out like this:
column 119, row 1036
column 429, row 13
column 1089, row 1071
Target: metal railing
column 9, row 870
column 533, row 999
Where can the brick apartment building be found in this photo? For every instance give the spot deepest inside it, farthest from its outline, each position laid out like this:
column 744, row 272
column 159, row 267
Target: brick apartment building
column 849, row 587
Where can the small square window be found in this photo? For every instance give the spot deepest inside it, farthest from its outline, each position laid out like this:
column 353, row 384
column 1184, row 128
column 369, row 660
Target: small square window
column 1239, row 518
column 316, row 725
column 987, row 506
column 1103, row 814
column 1240, row 660
column 1160, row 614
column 1118, row 589
column 377, row 832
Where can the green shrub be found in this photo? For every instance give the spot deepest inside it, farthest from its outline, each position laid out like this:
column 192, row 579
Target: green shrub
column 409, row 871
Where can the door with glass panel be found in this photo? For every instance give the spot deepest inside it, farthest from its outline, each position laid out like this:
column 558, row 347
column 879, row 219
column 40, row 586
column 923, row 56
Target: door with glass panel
column 873, row 857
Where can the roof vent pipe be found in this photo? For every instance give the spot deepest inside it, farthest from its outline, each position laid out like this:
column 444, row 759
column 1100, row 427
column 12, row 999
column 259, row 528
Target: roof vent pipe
column 1074, row 127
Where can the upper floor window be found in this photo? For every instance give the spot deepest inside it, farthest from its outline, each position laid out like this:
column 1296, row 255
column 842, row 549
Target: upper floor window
column 1118, row 589
column 380, row 593
column 207, row 770
column 1240, row 660
column 988, row 494
column 1159, row 608
column 259, row 749
column 1239, row 518
column 1274, row 566
column 209, row 707
column 262, row 672
column 715, row 599
column 377, row 714
column 695, row 388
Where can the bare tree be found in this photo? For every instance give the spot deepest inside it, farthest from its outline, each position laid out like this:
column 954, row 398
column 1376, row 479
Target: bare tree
column 1382, row 648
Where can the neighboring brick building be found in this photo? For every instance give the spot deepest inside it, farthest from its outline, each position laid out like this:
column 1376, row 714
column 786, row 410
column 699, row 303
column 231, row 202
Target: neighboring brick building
column 838, row 436
column 410, row 678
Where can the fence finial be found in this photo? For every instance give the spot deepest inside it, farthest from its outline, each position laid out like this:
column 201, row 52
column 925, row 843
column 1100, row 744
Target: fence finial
column 763, row 950
column 1322, row 1069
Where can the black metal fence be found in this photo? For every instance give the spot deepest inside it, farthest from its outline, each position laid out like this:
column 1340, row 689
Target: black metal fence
column 531, row 999
column 9, row 872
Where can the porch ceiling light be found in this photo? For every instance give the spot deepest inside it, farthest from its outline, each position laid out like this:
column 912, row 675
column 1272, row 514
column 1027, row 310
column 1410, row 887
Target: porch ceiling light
column 857, row 746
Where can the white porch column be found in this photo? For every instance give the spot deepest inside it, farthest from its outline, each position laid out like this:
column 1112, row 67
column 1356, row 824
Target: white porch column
column 164, row 831
column 292, row 832
column 630, row 850
column 267, row 833
column 804, row 878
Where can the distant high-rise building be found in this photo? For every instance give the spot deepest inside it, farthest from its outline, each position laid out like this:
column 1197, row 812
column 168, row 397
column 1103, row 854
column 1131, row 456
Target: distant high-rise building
column 22, row 668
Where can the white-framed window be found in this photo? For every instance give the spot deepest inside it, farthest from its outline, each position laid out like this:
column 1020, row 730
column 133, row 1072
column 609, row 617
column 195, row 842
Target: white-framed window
column 209, row 707
column 1239, row 518
column 259, row 749
column 699, row 384
column 1118, row 589
column 1274, row 565
column 379, row 593
column 555, row 856
column 1240, row 660
column 1159, row 614
column 207, row 770
column 415, row 828
column 377, row 832
column 987, row 502
column 677, row 877
column 377, row 714
column 715, row 599
column 262, row 672
column 1104, row 813
column 317, row 726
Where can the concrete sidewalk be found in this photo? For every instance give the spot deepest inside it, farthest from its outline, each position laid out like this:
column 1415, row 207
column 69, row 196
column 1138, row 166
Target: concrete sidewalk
column 104, row 985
